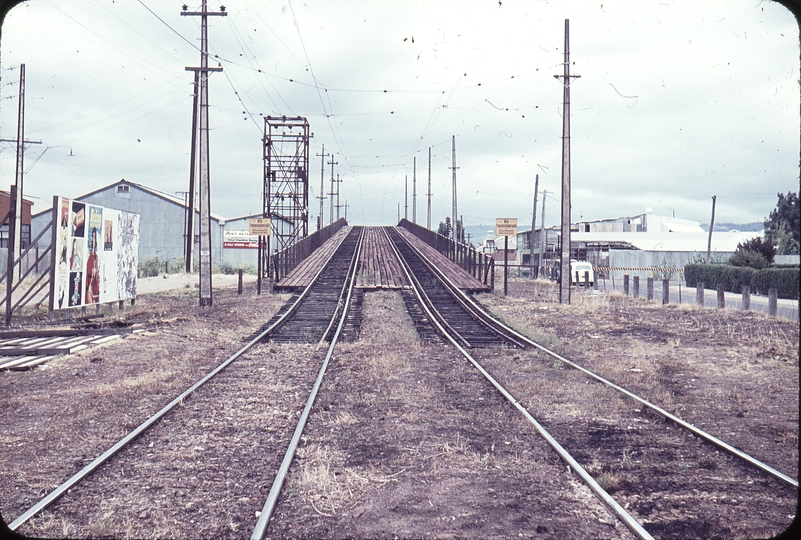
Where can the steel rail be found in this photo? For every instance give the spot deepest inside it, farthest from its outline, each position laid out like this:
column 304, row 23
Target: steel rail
column 669, row 416
column 665, row 414
column 632, row 524
column 461, row 298
column 444, row 327
column 272, row 497
column 105, row 456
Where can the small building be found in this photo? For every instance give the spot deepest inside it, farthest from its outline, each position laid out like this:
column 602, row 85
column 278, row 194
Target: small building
column 494, row 246
column 25, row 233
column 239, row 247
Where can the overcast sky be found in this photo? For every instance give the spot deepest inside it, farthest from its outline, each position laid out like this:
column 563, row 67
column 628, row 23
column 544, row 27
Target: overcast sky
column 677, row 101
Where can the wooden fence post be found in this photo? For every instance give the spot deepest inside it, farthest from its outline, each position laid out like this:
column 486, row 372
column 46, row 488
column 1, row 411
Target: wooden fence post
column 665, row 291
column 239, row 289
column 699, row 293
column 626, row 284
column 636, row 286
column 746, row 290
column 721, row 297
column 773, row 301
column 650, row 288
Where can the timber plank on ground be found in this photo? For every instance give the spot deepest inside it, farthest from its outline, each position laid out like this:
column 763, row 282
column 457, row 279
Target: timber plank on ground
column 460, row 278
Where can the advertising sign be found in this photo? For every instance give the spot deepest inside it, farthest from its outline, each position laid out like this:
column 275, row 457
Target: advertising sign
column 505, row 226
column 97, row 254
column 240, row 239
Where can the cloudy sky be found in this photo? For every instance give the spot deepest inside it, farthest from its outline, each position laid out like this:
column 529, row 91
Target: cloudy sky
column 677, row 101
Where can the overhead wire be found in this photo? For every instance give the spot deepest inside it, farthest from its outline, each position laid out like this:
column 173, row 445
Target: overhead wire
column 146, row 64
column 334, row 128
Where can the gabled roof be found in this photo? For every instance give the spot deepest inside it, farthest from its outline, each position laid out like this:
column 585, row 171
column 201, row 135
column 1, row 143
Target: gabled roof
column 166, row 196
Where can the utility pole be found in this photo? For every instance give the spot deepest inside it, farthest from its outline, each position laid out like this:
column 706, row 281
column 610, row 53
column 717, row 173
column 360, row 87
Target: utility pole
column 338, row 205
column 454, row 207
column 564, row 281
column 190, row 213
column 204, row 189
column 533, row 225
column 711, row 226
column 185, row 195
column 543, row 234
column 414, row 191
column 406, row 197
column 428, row 215
column 322, row 188
column 16, row 237
column 346, row 210
column 331, row 193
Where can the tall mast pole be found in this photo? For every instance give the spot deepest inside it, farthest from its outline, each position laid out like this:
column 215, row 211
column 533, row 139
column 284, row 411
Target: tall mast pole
column 406, row 197
column 428, row 215
column 338, row 205
column 331, row 193
column 15, row 232
column 322, row 188
column 543, row 234
column 190, row 208
column 564, row 281
column 204, row 190
column 20, row 153
column 533, row 225
column 454, row 207
column 414, row 191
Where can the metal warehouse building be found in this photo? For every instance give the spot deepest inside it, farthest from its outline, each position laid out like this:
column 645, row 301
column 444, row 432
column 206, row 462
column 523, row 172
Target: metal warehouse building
column 162, row 225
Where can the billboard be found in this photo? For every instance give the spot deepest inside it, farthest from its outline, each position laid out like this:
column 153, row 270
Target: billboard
column 97, row 254
column 239, row 239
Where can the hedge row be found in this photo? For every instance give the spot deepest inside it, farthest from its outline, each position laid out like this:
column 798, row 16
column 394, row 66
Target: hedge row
column 785, row 280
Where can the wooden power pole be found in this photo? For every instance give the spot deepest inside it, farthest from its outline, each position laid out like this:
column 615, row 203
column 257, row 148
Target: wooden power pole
column 711, row 226
column 454, row 223
column 533, row 225
column 204, row 190
column 564, row 281
column 428, row 214
column 322, row 188
column 543, row 234
column 15, row 232
column 414, row 191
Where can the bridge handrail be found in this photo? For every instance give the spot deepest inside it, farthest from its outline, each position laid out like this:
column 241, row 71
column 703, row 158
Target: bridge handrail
column 477, row 264
column 286, row 260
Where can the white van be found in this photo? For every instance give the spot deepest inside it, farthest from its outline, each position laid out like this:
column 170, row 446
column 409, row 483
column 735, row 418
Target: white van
column 577, row 270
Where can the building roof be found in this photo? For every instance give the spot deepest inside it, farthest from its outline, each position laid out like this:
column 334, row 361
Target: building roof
column 668, row 241
column 166, row 196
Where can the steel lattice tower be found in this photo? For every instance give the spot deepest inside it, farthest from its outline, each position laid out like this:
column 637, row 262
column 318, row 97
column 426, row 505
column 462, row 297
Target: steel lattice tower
column 286, row 177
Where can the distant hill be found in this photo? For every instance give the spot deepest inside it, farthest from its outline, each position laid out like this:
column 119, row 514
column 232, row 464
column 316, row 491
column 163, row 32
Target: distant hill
column 756, row 226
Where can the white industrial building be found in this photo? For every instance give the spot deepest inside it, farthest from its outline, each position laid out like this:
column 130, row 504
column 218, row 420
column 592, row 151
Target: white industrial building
column 641, row 241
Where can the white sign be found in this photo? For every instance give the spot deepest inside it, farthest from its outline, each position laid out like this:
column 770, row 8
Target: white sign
column 505, row 226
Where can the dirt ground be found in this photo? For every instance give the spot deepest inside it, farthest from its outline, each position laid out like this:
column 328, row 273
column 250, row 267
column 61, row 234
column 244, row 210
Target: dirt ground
column 405, row 439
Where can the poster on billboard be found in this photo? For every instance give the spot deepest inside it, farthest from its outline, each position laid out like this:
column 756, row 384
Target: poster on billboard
column 97, row 254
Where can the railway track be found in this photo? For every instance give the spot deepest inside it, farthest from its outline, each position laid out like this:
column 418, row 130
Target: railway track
column 440, row 312
column 303, row 314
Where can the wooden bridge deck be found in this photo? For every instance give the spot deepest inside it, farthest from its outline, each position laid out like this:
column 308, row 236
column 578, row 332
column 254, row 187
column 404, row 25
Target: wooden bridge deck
column 378, row 266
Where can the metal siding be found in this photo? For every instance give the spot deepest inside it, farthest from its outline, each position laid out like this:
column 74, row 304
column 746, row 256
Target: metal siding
column 161, row 223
